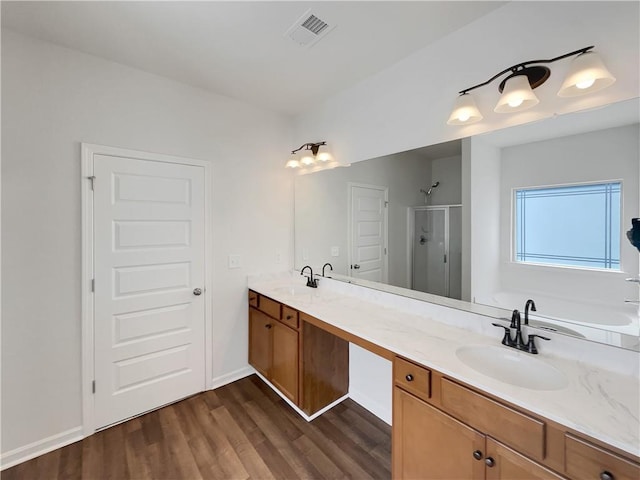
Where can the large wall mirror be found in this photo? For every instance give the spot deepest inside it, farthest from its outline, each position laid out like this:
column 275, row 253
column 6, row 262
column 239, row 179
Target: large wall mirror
column 482, row 224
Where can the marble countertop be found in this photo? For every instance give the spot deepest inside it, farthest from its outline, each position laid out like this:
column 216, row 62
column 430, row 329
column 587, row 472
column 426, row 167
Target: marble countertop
column 597, row 402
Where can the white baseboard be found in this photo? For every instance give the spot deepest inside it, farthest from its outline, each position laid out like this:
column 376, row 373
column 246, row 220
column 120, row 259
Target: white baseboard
column 46, row 445
column 308, row 418
column 380, row 410
column 35, row 449
column 231, row 377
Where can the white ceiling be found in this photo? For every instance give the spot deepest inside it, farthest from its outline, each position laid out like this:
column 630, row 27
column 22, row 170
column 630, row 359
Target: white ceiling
column 238, row 49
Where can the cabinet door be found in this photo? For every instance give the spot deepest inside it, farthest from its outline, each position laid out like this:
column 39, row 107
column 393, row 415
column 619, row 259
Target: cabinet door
column 260, row 341
column 284, row 369
column 430, row 444
column 506, row 464
column 586, row 460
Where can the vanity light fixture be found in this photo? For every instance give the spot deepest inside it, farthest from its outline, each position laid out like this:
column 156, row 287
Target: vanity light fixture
column 311, row 153
column 587, row 74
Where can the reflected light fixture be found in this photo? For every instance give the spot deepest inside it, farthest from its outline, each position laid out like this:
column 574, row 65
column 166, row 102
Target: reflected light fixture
column 586, row 74
column 311, row 152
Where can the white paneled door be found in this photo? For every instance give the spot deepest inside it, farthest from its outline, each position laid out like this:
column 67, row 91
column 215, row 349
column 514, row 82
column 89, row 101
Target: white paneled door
column 149, row 268
column 368, row 239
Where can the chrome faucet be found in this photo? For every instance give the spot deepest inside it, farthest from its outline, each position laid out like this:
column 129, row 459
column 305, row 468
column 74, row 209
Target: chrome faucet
column 530, row 304
column 311, row 282
column 326, row 265
column 518, row 342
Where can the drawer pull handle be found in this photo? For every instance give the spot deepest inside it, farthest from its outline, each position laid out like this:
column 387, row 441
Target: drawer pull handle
column 289, row 317
column 409, row 378
column 268, row 325
column 607, row 476
column 489, row 462
column 477, row 455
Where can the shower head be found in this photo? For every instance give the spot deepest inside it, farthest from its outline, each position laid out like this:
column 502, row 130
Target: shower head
column 427, row 193
column 432, row 187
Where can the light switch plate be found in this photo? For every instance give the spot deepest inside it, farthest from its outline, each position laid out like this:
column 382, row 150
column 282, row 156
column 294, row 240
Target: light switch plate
column 234, row 260
column 335, row 251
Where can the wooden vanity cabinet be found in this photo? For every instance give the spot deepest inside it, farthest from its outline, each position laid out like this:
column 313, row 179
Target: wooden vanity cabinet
column 429, row 444
column 507, row 464
column 305, row 363
column 260, row 341
column 443, row 429
column 285, row 361
column 585, row 460
column 274, row 346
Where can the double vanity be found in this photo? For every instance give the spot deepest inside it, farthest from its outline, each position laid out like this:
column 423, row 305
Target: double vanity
column 464, row 406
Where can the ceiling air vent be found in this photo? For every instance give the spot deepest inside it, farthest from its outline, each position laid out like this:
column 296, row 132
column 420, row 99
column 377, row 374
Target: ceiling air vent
column 308, row 29
column 314, row 25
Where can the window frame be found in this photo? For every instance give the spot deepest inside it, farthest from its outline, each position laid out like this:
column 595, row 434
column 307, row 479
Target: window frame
column 514, row 225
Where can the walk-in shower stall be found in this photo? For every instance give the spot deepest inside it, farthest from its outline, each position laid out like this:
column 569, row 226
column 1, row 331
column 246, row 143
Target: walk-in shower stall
column 435, row 262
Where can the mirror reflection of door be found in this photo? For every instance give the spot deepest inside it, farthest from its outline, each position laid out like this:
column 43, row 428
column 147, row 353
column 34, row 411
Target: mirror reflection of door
column 368, row 236
column 436, row 266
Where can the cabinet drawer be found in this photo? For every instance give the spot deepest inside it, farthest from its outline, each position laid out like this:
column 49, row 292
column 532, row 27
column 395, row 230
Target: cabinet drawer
column 289, row 316
column 270, row 307
column 253, row 299
column 412, row 377
column 585, row 461
column 524, row 433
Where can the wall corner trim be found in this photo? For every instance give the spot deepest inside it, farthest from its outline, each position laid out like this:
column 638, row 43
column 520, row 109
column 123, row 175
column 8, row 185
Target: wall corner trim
column 231, row 377
column 383, row 412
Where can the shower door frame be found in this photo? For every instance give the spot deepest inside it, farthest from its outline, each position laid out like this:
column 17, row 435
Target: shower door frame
column 411, row 216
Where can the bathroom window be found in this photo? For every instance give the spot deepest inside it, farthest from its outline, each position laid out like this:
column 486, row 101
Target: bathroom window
column 571, row 225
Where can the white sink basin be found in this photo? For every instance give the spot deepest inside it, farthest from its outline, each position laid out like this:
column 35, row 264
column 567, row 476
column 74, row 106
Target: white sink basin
column 513, row 367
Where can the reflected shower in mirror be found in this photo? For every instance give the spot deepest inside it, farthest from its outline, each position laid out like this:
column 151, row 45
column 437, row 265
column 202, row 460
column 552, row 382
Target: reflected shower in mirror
column 394, row 220
column 534, row 211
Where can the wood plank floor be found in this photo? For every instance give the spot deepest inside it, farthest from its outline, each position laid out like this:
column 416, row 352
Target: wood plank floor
column 242, row 430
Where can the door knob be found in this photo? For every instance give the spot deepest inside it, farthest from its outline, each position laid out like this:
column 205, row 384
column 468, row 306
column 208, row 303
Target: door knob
column 197, row 291
column 490, row 462
column 356, row 266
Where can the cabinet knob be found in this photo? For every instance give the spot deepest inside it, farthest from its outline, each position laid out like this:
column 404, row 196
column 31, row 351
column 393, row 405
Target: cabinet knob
column 289, row 317
column 409, row 378
column 607, row 476
column 489, row 462
column 268, row 325
column 477, row 455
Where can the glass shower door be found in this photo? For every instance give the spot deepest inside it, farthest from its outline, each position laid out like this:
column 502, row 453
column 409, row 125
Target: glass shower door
column 430, row 249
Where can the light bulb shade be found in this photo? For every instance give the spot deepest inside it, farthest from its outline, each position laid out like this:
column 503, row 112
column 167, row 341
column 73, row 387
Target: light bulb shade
column 324, row 155
column 307, row 160
column 516, row 96
column 465, row 111
column 586, row 74
column 293, row 163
